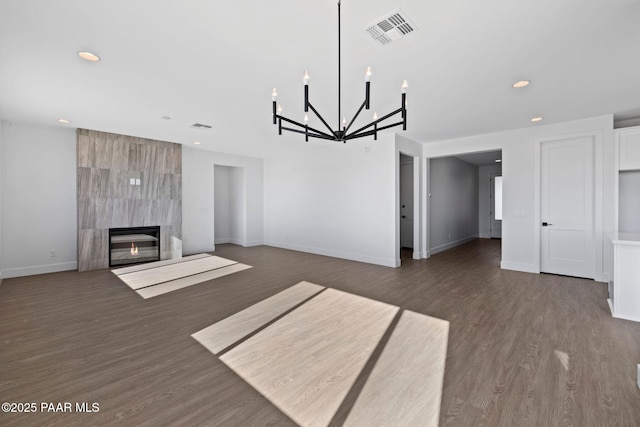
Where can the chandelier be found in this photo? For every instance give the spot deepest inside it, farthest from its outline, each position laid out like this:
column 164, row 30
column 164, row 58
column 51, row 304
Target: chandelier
column 344, row 132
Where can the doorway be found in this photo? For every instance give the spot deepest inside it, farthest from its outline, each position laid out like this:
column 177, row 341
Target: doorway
column 495, row 205
column 406, row 206
column 229, row 205
column 460, row 199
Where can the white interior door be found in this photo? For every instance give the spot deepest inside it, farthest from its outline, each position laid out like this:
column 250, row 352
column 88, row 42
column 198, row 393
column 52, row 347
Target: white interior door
column 567, row 229
column 406, row 202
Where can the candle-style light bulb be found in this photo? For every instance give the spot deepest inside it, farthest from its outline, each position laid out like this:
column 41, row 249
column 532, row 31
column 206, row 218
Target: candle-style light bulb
column 306, row 77
column 279, row 109
column 306, row 119
column 274, row 94
column 375, row 116
column 344, row 121
column 367, row 75
column 404, row 86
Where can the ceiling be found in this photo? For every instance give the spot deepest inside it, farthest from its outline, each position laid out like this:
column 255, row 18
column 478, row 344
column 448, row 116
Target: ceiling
column 484, row 158
column 216, row 63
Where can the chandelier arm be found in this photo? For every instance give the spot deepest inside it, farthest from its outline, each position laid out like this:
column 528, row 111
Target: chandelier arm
column 364, row 104
column 290, row 121
column 371, row 132
column 399, row 110
column 303, row 126
column 322, row 119
column 304, row 132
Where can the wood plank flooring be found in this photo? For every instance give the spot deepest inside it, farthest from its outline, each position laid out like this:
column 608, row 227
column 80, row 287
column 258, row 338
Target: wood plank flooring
column 160, row 277
column 307, row 361
column 523, row 349
column 165, row 273
column 234, row 328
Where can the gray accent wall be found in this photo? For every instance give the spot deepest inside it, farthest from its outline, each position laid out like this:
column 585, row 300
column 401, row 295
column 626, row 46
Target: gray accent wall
column 106, row 199
column 453, row 219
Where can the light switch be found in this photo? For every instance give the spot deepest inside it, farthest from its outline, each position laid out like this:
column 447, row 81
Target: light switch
column 138, row 181
column 132, row 181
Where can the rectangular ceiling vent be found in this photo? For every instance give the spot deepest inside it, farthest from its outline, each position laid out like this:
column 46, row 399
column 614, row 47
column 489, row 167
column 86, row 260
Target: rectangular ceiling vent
column 391, row 27
column 200, row 126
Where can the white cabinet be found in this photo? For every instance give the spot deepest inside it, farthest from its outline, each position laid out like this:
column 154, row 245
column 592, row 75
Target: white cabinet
column 624, row 290
column 629, row 143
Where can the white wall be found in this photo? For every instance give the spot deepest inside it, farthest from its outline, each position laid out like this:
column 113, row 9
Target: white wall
column 453, row 220
column 38, row 189
column 484, row 191
column 334, row 199
column 198, row 228
column 1, row 149
column 237, row 207
column 520, row 163
column 229, row 205
column 221, row 204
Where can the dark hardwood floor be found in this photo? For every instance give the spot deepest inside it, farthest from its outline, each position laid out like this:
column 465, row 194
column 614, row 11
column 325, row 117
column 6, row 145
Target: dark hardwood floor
column 524, row 349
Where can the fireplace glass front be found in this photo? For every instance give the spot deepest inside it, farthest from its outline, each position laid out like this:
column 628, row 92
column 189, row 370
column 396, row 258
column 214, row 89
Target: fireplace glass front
column 133, row 245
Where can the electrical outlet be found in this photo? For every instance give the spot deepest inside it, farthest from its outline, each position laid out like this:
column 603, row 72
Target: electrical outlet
column 53, row 253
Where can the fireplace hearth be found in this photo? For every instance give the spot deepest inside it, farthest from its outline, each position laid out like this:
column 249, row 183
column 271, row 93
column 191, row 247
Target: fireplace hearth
column 133, row 245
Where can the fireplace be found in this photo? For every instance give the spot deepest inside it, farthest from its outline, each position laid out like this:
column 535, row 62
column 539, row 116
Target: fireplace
column 133, row 245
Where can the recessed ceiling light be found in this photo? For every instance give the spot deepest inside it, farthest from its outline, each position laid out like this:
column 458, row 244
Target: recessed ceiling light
column 88, row 56
column 197, row 142
column 521, row 83
column 165, row 117
column 536, row 119
column 498, row 160
column 64, row 121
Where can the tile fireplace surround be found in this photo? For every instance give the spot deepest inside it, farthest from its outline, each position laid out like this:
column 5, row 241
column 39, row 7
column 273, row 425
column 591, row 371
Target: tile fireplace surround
column 124, row 181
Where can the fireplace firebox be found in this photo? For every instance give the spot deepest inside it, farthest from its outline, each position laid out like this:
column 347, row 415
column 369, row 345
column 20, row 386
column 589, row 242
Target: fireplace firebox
column 133, row 245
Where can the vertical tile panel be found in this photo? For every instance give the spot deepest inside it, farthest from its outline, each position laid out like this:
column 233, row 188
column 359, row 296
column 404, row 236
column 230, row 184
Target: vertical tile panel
column 106, row 163
column 84, row 183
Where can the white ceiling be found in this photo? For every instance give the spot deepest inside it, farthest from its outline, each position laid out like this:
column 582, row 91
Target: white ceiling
column 216, row 62
column 485, row 158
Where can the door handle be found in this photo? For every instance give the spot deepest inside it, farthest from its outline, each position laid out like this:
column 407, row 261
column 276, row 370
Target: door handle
column 404, row 216
column 544, row 224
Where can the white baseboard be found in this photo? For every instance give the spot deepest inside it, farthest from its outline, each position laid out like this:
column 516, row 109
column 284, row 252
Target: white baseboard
column 421, row 255
column 386, row 262
column 602, row 277
column 451, row 245
column 8, row 273
column 238, row 242
column 484, row 236
column 519, row 266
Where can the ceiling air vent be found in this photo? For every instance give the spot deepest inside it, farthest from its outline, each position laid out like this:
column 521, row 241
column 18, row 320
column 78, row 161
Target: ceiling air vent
column 200, row 126
column 391, row 27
